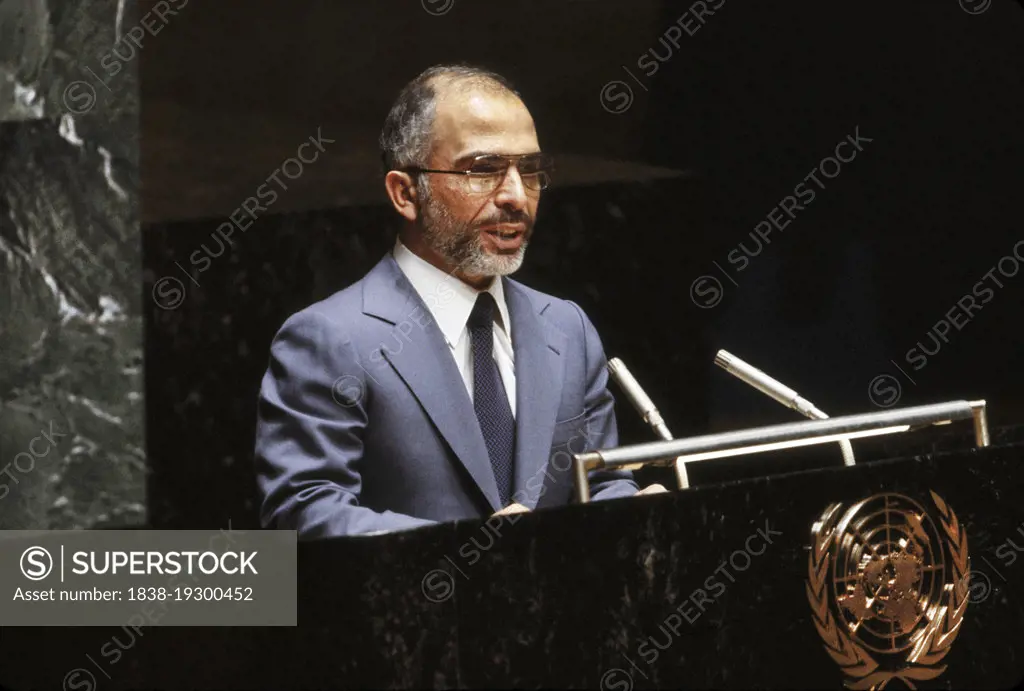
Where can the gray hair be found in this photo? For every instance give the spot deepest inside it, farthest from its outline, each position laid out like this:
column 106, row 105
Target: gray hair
column 405, row 139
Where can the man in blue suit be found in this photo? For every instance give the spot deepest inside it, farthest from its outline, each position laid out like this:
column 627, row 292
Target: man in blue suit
column 436, row 388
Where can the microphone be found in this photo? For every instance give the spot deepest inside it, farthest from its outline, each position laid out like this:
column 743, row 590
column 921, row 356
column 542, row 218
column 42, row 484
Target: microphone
column 751, row 375
column 645, row 406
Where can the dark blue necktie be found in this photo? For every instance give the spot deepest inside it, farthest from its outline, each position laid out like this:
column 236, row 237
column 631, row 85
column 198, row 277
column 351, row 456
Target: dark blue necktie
column 489, row 397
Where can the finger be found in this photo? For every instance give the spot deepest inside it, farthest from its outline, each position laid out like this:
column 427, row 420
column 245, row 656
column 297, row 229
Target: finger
column 656, row 488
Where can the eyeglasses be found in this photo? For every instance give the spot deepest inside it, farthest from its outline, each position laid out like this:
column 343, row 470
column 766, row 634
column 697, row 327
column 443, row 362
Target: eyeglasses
column 487, row 171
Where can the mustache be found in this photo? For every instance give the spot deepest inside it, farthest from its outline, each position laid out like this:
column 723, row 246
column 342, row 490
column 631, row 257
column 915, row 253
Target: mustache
column 509, row 217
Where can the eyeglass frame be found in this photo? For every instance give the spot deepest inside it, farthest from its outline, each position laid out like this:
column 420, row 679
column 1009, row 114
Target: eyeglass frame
column 510, row 160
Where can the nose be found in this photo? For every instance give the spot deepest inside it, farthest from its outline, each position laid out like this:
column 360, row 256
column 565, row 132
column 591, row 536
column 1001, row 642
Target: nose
column 511, row 193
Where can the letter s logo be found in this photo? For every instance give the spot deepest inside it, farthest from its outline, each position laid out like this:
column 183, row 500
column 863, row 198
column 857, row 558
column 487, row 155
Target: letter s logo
column 884, row 390
column 36, row 563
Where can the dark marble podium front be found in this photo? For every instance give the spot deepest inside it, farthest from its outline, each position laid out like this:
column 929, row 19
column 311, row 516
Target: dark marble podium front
column 696, row 589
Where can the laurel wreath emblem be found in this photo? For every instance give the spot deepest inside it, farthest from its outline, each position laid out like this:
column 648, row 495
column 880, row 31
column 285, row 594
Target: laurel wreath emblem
column 944, row 618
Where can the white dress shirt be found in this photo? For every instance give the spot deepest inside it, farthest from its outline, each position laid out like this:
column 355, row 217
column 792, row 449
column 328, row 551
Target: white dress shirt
column 450, row 302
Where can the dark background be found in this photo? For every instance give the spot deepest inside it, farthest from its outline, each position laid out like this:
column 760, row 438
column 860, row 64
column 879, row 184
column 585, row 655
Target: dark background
column 648, row 200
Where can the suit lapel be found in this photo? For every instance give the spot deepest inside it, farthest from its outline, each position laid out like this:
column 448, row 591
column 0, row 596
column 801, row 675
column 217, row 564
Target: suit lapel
column 538, row 349
column 422, row 358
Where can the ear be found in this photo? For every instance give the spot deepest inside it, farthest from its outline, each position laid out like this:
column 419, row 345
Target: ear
column 403, row 194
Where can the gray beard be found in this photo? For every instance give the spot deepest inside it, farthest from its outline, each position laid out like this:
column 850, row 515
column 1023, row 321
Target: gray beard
column 460, row 245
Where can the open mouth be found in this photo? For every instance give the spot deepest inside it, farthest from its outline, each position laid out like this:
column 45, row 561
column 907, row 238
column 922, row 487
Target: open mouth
column 506, row 230
column 506, row 238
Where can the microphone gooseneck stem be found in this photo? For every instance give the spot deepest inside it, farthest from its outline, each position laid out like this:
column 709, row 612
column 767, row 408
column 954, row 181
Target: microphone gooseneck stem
column 648, row 412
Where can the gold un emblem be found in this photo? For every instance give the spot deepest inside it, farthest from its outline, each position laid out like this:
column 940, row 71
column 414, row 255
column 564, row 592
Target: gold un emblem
column 888, row 588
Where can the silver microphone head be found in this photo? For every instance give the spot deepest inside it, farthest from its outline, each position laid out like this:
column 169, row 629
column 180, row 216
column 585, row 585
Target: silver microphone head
column 643, row 404
column 724, row 359
column 756, row 378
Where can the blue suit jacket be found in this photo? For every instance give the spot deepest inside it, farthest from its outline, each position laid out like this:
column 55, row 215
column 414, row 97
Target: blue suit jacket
column 365, row 423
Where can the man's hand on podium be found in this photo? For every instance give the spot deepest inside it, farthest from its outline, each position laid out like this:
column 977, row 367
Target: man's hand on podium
column 514, row 507
column 651, row 489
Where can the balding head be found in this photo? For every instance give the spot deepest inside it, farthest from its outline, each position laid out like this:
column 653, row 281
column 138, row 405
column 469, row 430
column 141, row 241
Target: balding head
column 406, row 137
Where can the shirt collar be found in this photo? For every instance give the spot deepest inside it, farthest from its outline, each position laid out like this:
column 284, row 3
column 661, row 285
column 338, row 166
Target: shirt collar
column 449, row 300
